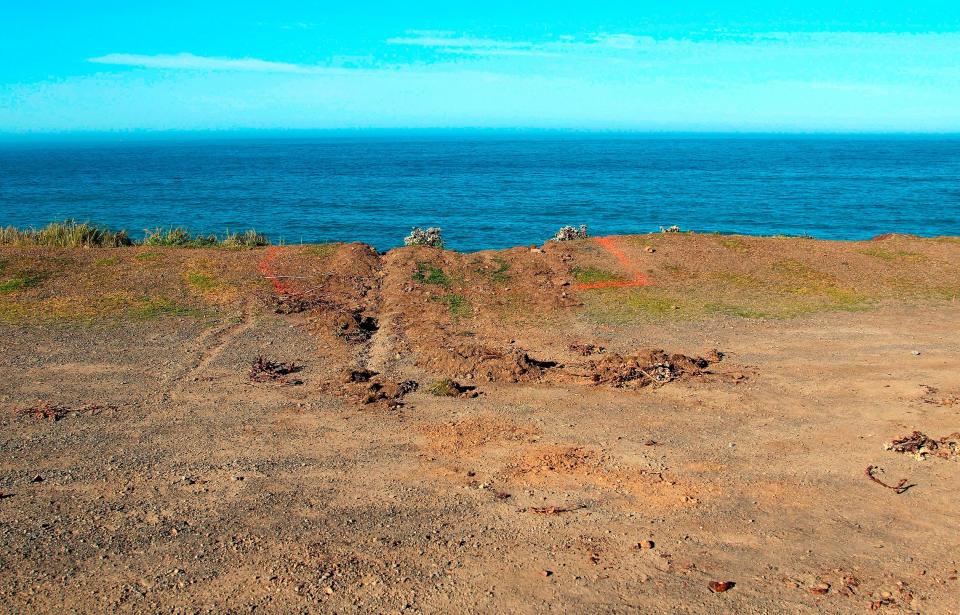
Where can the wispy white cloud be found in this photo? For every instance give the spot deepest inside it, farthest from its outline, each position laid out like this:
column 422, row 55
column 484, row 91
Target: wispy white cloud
column 448, row 40
column 188, row 61
column 623, row 41
column 453, row 43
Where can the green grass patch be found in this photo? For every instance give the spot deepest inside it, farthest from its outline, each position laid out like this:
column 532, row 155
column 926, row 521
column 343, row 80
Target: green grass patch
column 16, row 284
column 500, row 275
column 107, row 262
column 591, row 275
column 736, row 280
column 322, row 250
column 149, row 256
column 201, row 281
column 443, row 388
column 624, row 306
column 428, row 274
column 887, row 255
column 734, row 244
column 735, row 310
column 152, row 308
column 458, row 305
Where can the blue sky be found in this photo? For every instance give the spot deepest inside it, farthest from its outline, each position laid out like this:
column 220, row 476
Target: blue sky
column 650, row 66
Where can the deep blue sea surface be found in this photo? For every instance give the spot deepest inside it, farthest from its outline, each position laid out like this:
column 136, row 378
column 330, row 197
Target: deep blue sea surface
column 491, row 192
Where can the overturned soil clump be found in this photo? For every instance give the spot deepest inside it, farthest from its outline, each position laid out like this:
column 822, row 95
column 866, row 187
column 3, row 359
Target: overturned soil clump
column 647, row 367
column 369, row 387
column 920, row 445
column 265, row 370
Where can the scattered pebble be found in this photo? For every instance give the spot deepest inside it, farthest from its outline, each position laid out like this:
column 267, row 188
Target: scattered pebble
column 645, row 544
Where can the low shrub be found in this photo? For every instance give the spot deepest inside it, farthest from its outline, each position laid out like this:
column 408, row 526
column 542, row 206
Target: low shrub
column 430, row 238
column 569, row 233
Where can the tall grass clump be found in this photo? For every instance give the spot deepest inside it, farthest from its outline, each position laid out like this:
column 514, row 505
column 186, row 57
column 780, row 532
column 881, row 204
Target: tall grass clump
column 176, row 238
column 70, row 234
column 180, row 238
column 66, row 234
column 249, row 239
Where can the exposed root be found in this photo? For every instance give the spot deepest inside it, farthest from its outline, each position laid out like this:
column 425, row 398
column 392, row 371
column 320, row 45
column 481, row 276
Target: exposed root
column 900, row 487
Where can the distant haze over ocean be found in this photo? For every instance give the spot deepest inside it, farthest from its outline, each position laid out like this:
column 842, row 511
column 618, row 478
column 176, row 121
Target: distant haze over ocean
column 491, row 191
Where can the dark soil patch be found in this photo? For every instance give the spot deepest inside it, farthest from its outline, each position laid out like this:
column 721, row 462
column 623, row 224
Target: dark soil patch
column 264, row 370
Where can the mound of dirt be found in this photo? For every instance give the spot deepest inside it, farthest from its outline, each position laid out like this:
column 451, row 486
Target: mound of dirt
column 920, row 445
column 560, row 460
column 456, row 438
column 475, row 361
column 647, row 367
column 369, row 387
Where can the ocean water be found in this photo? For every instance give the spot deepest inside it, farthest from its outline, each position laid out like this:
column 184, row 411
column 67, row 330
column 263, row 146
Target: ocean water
column 491, row 192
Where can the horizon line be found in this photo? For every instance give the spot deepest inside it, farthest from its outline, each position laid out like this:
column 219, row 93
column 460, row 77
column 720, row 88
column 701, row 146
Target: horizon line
column 280, row 133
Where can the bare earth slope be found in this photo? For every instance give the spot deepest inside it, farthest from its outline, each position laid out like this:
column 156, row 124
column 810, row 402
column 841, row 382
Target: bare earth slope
column 490, row 432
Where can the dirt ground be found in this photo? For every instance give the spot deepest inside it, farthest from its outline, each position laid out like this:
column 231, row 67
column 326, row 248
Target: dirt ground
column 426, row 431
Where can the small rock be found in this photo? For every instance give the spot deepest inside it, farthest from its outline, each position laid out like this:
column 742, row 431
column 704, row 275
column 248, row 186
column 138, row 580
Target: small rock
column 649, row 249
column 915, row 353
column 645, row 544
column 718, row 587
column 546, row 573
column 819, row 589
column 37, row 479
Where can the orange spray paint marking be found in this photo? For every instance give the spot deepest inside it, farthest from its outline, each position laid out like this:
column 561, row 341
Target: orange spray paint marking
column 610, row 245
column 266, row 270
